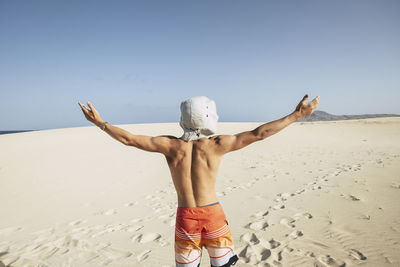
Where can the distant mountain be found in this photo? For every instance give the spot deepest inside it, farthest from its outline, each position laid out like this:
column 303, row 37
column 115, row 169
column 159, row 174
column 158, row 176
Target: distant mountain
column 319, row 115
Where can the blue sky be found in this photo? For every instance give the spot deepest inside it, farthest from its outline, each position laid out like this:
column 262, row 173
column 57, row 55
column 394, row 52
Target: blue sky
column 137, row 60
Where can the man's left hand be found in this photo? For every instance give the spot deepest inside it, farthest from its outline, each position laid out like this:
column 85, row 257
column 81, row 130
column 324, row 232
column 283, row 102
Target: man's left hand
column 91, row 114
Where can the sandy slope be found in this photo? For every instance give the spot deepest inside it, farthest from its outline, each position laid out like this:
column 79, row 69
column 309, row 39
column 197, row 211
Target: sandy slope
column 316, row 194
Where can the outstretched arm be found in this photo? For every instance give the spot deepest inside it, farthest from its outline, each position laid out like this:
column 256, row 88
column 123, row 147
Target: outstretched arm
column 159, row 144
column 228, row 143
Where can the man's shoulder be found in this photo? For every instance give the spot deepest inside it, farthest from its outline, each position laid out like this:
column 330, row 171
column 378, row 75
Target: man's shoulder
column 219, row 139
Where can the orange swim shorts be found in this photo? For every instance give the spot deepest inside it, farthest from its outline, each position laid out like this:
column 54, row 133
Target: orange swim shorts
column 203, row 226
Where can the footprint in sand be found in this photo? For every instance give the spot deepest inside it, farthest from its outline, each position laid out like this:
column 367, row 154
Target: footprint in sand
column 328, row 261
column 287, row 249
column 229, row 189
column 69, row 241
column 287, row 195
column 337, row 173
column 396, row 186
column 90, row 255
column 360, row 182
column 298, row 192
column 8, row 260
column 289, row 222
column 24, row 261
column 102, row 245
column 305, row 215
column 114, row 254
column 73, row 223
column 99, row 233
column 109, row 212
column 365, row 217
column 250, row 238
column 80, row 231
column 254, row 254
column 277, row 207
column 156, row 210
column 134, row 228
column 258, row 225
column 315, row 187
column 152, row 198
column 350, row 197
column 130, row 204
column 163, row 242
column 295, row 234
column 357, row 255
column 106, row 229
column 146, row 237
column 260, row 214
column 137, row 220
column 4, row 249
column 47, row 251
column 143, row 255
column 116, row 227
column 170, row 222
column 163, row 217
column 274, row 244
column 280, row 199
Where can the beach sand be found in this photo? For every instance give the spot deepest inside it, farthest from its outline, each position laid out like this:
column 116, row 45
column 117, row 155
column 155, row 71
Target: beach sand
column 315, row 194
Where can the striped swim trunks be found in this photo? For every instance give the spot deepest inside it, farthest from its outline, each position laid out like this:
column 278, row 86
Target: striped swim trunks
column 200, row 227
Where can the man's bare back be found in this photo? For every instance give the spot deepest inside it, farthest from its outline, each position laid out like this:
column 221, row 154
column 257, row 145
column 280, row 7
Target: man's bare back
column 194, row 167
column 194, row 164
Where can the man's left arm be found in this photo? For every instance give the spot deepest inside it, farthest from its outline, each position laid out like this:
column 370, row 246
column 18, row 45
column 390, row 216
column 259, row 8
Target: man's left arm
column 159, row 144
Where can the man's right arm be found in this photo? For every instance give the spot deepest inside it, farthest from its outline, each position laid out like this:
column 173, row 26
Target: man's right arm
column 161, row 144
column 228, row 143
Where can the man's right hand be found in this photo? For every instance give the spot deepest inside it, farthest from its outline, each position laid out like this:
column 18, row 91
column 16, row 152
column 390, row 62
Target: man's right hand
column 304, row 109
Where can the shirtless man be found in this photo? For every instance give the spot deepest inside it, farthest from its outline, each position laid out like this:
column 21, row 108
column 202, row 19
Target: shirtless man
column 193, row 161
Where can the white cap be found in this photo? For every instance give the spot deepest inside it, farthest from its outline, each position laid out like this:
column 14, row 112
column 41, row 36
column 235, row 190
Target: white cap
column 198, row 118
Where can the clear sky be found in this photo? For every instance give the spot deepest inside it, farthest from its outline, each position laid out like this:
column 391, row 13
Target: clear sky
column 137, row 60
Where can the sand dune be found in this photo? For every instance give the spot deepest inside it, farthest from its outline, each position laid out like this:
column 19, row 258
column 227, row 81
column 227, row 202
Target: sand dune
column 316, row 194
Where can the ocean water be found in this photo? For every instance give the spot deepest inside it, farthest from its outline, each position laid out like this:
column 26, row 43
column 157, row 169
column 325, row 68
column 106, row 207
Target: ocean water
column 10, row 132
